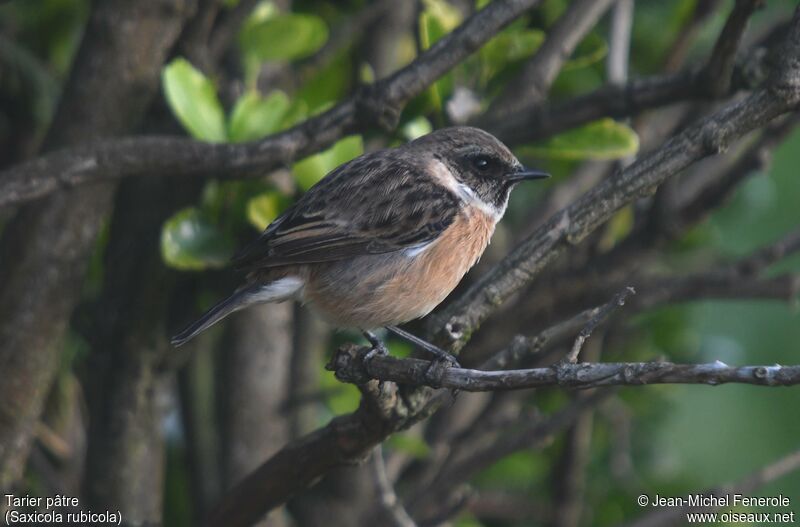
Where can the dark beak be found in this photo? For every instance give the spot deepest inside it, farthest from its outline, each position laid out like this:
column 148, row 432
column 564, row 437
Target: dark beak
column 525, row 174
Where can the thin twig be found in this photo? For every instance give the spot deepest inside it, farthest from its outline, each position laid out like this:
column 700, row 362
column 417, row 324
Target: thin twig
column 602, row 314
column 530, row 435
column 388, row 498
column 720, row 65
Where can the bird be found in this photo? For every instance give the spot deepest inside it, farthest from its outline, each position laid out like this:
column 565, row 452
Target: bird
column 384, row 238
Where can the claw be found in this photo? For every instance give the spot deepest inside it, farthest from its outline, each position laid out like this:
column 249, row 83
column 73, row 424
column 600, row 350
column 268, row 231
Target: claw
column 435, row 371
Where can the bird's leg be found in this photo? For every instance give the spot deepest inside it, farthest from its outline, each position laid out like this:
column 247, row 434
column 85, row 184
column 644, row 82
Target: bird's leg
column 440, row 354
column 378, row 347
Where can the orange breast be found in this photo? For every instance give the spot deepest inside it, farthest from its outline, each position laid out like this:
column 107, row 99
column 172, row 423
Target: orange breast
column 380, row 290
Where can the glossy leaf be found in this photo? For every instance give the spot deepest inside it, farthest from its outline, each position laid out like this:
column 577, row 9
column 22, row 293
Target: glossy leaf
column 264, row 208
column 447, row 15
column 284, row 36
column 416, row 127
column 509, row 46
column 592, row 49
column 313, row 168
column 254, row 116
column 328, row 84
column 190, row 241
column 603, row 139
column 193, row 99
column 437, row 20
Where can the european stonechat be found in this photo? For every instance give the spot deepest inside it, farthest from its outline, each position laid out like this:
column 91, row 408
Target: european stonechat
column 384, row 238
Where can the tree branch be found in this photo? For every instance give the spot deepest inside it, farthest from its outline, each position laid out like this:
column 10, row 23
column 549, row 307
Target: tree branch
column 602, row 313
column 720, row 66
column 391, row 505
column 533, row 83
column 531, row 434
column 378, row 104
column 345, row 440
column 350, row 366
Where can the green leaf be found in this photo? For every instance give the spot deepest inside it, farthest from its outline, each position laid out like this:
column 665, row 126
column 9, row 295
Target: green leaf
column 192, row 98
column 264, row 208
column 254, row 117
column 416, row 127
column 446, row 15
column 437, row 20
column 509, row 46
column 313, row 168
column 189, row 241
column 430, row 30
column 328, row 84
column 603, row 139
column 296, row 112
column 284, row 36
column 592, row 49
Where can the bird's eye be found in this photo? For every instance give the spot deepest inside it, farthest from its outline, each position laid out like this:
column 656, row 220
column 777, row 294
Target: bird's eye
column 481, row 162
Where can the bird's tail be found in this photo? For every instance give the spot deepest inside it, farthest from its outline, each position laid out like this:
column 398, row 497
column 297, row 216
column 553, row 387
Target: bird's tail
column 276, row 291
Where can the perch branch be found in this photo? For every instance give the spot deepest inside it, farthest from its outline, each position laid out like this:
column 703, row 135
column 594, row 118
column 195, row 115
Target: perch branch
column 350, row 367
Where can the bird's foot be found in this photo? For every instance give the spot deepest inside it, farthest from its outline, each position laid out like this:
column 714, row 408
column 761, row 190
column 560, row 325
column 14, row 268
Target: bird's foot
column 378, row 349
column 435, row 371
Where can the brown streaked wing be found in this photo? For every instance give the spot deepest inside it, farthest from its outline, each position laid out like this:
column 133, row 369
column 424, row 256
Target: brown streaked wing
column 378, row 203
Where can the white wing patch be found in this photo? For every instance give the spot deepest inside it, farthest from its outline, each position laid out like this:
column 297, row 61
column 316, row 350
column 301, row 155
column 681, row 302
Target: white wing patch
column 279, row 290
column 416, row 250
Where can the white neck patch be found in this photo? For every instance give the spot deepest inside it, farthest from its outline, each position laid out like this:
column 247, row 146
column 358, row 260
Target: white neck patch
column 463, row 191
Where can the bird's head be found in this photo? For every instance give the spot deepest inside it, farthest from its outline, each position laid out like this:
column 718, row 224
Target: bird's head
column 483, row 167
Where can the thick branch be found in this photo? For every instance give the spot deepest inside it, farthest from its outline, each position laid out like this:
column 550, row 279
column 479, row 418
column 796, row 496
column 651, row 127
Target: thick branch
column 345, row 440
column 378, row 104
